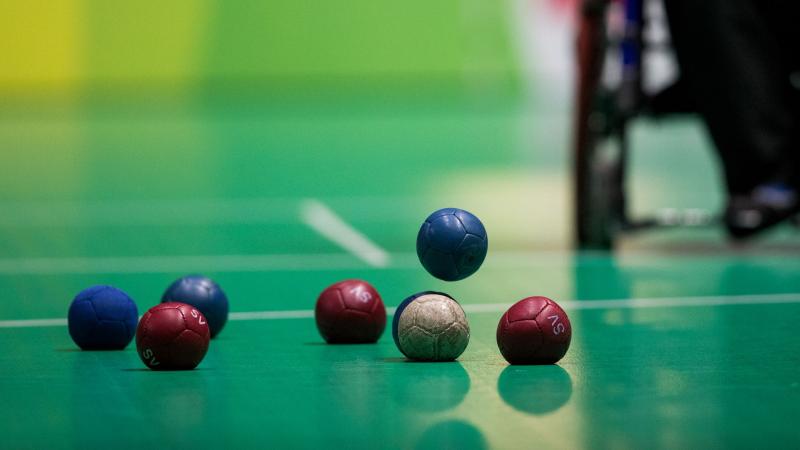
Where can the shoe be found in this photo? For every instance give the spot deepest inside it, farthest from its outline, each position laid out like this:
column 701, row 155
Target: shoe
column 766, row 206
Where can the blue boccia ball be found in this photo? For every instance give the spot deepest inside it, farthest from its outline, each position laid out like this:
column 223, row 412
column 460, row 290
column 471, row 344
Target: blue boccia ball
column 102, row 318
column 205, row 295
column 402, row 306
column 452, row 244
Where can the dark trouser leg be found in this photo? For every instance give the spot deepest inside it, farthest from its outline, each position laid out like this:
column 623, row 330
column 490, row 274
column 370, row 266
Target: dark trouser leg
column 783, row 17
column 735, row 64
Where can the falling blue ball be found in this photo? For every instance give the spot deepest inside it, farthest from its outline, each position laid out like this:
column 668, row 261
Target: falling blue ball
column 452, row 244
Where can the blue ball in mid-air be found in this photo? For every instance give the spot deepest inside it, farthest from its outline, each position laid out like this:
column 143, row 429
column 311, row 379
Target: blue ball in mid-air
column 452, row 244
column 102, row 318
column 205, row 295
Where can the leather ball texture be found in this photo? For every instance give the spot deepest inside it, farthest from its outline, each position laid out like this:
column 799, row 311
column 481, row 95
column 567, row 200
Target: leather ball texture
column 535, row 330
column 205, row 295
column 350, row 312
column 432, row 327
column 172, row 336
column 102, row 318
column 452, row 244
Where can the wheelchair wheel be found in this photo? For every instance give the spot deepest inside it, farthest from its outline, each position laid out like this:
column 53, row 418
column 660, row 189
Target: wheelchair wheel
column 600, row 210
column 598, row 150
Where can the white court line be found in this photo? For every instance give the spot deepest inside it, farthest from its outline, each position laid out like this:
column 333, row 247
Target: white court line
column 656, row 302
column 569, row 305
column 33, row 323
column 252, row 263
column 272, row 315
column 323, row 262
column 325, row 222
column 245, row 263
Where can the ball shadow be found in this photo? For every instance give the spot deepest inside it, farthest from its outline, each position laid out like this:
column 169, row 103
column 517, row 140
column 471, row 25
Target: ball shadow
column 404, row 360
column 452, row 434
column 535, row 390
column 91, row 350
column 339, row 344
column 397, row 359
column 429, row 386
column 145, row 369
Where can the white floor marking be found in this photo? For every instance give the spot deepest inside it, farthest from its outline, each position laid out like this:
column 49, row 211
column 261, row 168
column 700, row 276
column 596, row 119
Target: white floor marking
column 254, row 263
column 323, row 262
column 657, row 302
column 324, row 221
column 33, row 323
column 569, row 305
column 271, row 315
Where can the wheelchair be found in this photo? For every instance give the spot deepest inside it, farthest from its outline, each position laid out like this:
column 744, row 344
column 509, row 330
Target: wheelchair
column 612, row 42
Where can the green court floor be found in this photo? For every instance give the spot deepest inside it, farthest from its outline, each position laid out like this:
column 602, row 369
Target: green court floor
column 680, row 340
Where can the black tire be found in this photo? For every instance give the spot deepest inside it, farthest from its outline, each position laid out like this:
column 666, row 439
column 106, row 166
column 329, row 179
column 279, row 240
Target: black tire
column 597, row 163
column 600, row 205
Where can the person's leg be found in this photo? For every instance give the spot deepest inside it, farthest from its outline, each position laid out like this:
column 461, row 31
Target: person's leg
column 733, row 60
column 783, row 17
column 732, row 64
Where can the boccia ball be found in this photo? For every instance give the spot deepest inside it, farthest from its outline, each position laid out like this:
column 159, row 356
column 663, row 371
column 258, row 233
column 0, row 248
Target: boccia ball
column 350, row 311
column 430, row 326
column 172, row 336
column 205, row 295
column 452, row 244
column 102, row 318
column 535, row 330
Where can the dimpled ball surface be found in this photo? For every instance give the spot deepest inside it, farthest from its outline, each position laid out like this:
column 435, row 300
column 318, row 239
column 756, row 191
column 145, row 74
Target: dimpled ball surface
column 402, row 306
column 350, row 311
column 452, row 244
column 172, row 336
column 205, row 295
column 102, row 318
column 432, row 327
column 535, row 330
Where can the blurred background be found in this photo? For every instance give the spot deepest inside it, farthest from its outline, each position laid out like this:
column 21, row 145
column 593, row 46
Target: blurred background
column 384, row 110
column 88, row 49
column 140, row 141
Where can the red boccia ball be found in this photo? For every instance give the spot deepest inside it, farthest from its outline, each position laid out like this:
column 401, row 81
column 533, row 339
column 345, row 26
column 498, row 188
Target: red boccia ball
column 172, row 336
column 535, row 330
column 350, row 311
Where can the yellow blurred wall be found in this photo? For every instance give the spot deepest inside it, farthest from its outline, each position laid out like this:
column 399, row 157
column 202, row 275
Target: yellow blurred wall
column 76, row 46
column 41, row 44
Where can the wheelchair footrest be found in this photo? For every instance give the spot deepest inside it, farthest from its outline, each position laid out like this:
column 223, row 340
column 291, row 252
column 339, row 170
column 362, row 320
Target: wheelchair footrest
column 674, row 217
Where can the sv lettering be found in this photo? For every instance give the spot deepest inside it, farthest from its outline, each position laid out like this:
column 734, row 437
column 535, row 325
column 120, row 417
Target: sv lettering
column 148, row 355
column 362, row 295
column 197, row 315
column 558, row 327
